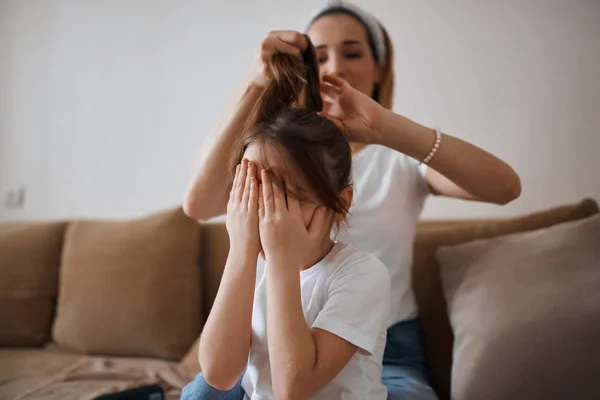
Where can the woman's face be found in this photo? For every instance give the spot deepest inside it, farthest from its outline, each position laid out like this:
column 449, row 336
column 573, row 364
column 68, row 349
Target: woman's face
column 343, row 50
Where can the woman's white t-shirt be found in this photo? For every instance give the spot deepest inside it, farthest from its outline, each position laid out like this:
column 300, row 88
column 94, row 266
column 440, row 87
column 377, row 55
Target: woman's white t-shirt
column 389, row 193
column 348, row 294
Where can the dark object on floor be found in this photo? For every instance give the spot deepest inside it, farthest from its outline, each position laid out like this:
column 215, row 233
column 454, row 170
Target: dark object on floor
column 151, row 392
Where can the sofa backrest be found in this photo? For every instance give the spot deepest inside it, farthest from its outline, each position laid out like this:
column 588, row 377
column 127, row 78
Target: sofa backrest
column 110, row 287
column 22, row 247
column 30, row 254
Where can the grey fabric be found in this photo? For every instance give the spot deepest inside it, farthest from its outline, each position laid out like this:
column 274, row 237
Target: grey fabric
column 525, row 311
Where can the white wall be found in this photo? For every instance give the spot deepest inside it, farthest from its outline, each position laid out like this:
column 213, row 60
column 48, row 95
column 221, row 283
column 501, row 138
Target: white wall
column 103, row 103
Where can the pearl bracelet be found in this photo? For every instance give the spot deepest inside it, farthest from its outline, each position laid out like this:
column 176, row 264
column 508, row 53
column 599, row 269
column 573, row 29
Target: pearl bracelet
column 436, row 146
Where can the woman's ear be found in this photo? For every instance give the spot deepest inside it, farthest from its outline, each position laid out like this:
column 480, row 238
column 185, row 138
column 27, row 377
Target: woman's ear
column 346, row 200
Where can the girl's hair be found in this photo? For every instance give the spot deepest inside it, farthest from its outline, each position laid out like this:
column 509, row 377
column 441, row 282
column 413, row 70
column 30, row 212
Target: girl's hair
column 285, row 115
column 383, row 92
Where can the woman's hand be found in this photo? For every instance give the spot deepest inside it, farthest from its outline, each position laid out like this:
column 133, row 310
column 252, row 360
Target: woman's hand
column 357, row 115
column 276, row 42
column 242, row 211
column 283, row 235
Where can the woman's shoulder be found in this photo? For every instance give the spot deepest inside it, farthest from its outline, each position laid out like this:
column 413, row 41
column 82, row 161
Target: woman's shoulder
column 385, row 157
column 377, row 164
column 375, row 150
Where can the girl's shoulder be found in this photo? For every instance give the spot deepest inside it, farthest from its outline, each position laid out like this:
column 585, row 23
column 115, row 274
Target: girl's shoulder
column 349, row 262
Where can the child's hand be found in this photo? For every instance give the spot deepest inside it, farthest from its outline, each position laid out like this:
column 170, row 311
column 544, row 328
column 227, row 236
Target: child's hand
column 282, row 232
column 242, row 211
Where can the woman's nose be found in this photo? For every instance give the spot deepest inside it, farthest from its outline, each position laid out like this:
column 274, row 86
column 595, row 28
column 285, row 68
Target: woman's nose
column 335, row 66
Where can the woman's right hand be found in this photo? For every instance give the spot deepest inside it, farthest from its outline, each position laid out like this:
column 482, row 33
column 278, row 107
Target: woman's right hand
column 276, row 42
column 242, row 211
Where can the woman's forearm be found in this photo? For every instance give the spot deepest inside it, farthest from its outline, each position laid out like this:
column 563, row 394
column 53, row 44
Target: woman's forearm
column 225, row 341
column 210, row 182
column 469, row 167
column 292, row 350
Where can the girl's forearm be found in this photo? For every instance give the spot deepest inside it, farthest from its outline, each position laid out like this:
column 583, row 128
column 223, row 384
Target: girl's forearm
column 225, row 341
column 292, row 350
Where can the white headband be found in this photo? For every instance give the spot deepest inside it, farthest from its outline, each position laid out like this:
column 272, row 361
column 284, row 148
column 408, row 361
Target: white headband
column 371, row 23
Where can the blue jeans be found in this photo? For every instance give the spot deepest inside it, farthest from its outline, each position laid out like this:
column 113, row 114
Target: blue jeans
column 405, row 372
column 199, row 389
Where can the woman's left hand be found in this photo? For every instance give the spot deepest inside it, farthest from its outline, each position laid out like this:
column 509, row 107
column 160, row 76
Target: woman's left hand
column 357, row 115
column 283, row 236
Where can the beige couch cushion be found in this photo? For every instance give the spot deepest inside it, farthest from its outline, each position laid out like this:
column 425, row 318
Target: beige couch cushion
column 427, row 283
column 525, row 310
column 27, row 374
column 29, row 261
column 130, row 288
column 191, row 362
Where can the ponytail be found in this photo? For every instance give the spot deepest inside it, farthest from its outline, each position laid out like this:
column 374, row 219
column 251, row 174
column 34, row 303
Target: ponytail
column 285, row 115
column 292, row 83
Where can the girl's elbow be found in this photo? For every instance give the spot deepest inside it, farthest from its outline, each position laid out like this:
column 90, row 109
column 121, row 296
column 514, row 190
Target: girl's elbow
column 219, row 382
column 219, row 376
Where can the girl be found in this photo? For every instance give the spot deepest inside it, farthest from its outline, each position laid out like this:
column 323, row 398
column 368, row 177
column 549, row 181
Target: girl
column 312, row 313
column 355, row 56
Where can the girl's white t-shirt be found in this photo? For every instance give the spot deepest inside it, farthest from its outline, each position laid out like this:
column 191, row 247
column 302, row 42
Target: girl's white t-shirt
column 389, row 193
column 348, row 294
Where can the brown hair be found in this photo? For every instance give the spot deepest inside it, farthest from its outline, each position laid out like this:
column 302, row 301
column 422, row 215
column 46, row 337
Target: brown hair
column 286, row 115
column 383, row 92
column 386, row 83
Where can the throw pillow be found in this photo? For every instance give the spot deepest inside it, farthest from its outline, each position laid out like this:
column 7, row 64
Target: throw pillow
column 130, row 288
column 29, row 261
column 525, row 311
column 427, row 285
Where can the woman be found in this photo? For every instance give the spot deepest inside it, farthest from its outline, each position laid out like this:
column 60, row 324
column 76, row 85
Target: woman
column 356, row 66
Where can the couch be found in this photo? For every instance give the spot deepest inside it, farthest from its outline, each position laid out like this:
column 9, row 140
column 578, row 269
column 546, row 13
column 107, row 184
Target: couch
column 93, row 307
